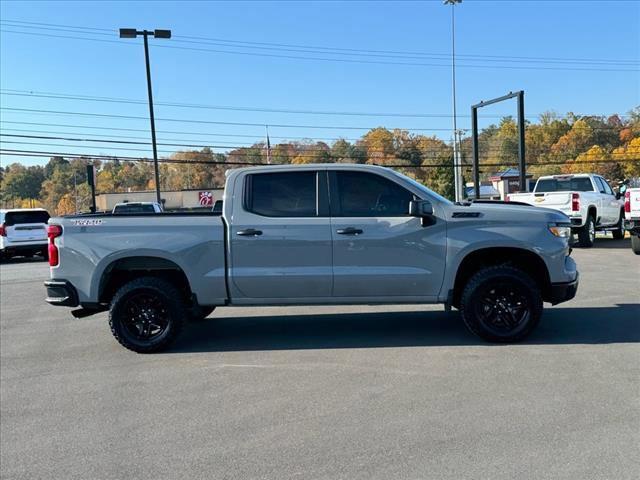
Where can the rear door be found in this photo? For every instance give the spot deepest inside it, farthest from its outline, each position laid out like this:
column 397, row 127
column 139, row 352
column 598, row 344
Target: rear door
column 280, row 237
column 610, row 203
column 379, row 251
column 26, row 226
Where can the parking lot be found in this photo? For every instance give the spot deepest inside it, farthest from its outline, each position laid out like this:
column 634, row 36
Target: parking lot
column 333, row 392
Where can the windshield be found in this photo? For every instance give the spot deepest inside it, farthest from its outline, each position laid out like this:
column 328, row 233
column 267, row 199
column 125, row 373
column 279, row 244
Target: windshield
column 15, row 218
column 424, row 189
column 133, row 209
column 579, row 184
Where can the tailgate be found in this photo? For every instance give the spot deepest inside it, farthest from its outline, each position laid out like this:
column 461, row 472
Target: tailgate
column 634, row 199
column 27, row 232
column 553, row 199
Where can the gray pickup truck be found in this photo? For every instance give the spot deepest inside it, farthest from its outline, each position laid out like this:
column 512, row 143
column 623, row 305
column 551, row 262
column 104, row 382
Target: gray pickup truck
column 313, row 235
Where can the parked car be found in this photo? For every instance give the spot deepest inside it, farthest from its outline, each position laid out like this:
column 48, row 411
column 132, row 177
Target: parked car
column 23, row 231
column 632, row 216
column 314, row 235
column 587, row 199
column 137, row 208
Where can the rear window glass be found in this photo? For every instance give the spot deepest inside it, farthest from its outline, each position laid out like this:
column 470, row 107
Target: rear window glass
column 133, row 209
column 17, row 218
column 290, row 194
column 581, row 184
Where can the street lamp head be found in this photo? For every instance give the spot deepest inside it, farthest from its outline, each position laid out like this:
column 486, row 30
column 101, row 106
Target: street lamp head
column 128, row 33
column 451, row 2
column 162, row 33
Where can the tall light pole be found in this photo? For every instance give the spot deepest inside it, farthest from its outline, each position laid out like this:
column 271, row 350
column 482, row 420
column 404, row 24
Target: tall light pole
column 457, row 168
column 133, row 33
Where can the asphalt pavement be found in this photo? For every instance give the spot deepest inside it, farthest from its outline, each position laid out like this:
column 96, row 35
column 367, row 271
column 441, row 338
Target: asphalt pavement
column 393, row 392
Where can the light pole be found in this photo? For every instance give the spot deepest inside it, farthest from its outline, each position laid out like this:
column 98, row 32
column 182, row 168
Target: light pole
column 133, row 33
column 457, row 168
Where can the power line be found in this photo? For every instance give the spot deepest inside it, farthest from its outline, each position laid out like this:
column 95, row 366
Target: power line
column 212, row 122
column 92, row 98
column 325, row 49
column 325, row 59
column 166, row 131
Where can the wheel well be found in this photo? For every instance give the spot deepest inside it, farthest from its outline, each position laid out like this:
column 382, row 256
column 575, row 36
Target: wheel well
column 525, row 260
column 593, row 212
column 126, row 269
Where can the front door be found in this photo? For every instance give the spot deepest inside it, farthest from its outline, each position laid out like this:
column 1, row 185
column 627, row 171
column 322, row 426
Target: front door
column 379, row 251
column 280, row 237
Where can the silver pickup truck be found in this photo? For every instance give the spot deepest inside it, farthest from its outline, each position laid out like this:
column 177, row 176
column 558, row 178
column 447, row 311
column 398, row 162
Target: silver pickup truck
column 313, row 235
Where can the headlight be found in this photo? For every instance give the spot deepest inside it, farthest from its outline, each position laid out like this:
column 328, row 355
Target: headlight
column 560, row 230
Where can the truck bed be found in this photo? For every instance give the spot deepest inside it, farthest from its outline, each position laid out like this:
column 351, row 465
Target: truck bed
column 194, row 241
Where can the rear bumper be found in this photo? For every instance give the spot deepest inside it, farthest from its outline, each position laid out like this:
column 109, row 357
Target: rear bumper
column 26, row 247
column 632, row 226
column 61, row 293
column 563, row 292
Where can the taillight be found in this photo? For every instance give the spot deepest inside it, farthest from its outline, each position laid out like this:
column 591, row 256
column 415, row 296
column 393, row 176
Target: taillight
column 3, row 230
column 627, row 201
column 53, row 232
column 575, row 202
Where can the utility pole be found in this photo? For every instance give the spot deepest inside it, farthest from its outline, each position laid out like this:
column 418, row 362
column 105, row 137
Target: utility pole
column 133, row 33
column 457, row 167
column 75, row 190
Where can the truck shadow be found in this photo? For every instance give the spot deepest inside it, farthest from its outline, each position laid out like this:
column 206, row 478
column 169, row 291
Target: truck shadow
column 619, row 324
column 608, row 243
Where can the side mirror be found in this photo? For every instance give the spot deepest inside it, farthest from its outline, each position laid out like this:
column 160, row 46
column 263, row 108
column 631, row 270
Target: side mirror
column 420, row 208
column 618, row 195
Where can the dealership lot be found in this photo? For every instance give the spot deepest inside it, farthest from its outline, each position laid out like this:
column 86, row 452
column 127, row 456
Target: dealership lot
column 330, row 392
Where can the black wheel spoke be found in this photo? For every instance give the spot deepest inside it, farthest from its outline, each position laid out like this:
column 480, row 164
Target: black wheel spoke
column 147, row 317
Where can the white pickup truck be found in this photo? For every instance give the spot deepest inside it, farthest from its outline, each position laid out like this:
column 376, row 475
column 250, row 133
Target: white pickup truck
column 632, row 217
column 587, row 199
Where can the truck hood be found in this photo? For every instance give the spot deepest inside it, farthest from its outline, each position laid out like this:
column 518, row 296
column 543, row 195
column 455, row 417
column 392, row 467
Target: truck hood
column 506, row 212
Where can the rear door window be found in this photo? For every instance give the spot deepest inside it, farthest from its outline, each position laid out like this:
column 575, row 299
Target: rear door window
column 286, row 194
column 362, row 194
column 17, row 218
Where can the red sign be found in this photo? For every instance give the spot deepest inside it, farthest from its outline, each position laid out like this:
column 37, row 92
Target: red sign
column 206, row 199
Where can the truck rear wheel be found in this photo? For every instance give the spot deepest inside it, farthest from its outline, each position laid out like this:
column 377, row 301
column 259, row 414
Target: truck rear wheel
column 587, row 234
column 147, row 314
column 501, row 304
column 635, row 244
column 618, row 233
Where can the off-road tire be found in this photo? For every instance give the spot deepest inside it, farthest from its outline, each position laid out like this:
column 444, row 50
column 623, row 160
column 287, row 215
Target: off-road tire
column 501, row 278
column 618, row 233
column 635, row 244
column 170, row 305
column 586, row 238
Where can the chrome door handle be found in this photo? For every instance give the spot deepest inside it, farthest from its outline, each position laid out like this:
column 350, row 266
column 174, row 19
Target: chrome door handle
column 349, row 231
column 249, row 232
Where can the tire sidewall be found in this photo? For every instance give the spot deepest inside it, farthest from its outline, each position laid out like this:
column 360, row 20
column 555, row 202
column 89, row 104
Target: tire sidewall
column 495, row 276
column 169, row 297
column 584, row 237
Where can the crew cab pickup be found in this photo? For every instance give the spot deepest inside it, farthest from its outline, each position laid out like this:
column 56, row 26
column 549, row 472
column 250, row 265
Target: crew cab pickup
column 587, row 199
column 632, row 217
column 313, row 235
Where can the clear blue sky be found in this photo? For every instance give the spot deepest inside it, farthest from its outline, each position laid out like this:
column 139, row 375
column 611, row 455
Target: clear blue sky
column 601, row 33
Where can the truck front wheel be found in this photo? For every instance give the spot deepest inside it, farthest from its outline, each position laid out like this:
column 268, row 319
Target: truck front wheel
column 147, row 314
column 635, row 244
column 501, row 304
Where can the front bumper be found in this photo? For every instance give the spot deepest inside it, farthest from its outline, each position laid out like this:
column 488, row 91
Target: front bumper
column 61, row 293
column 563, row 292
